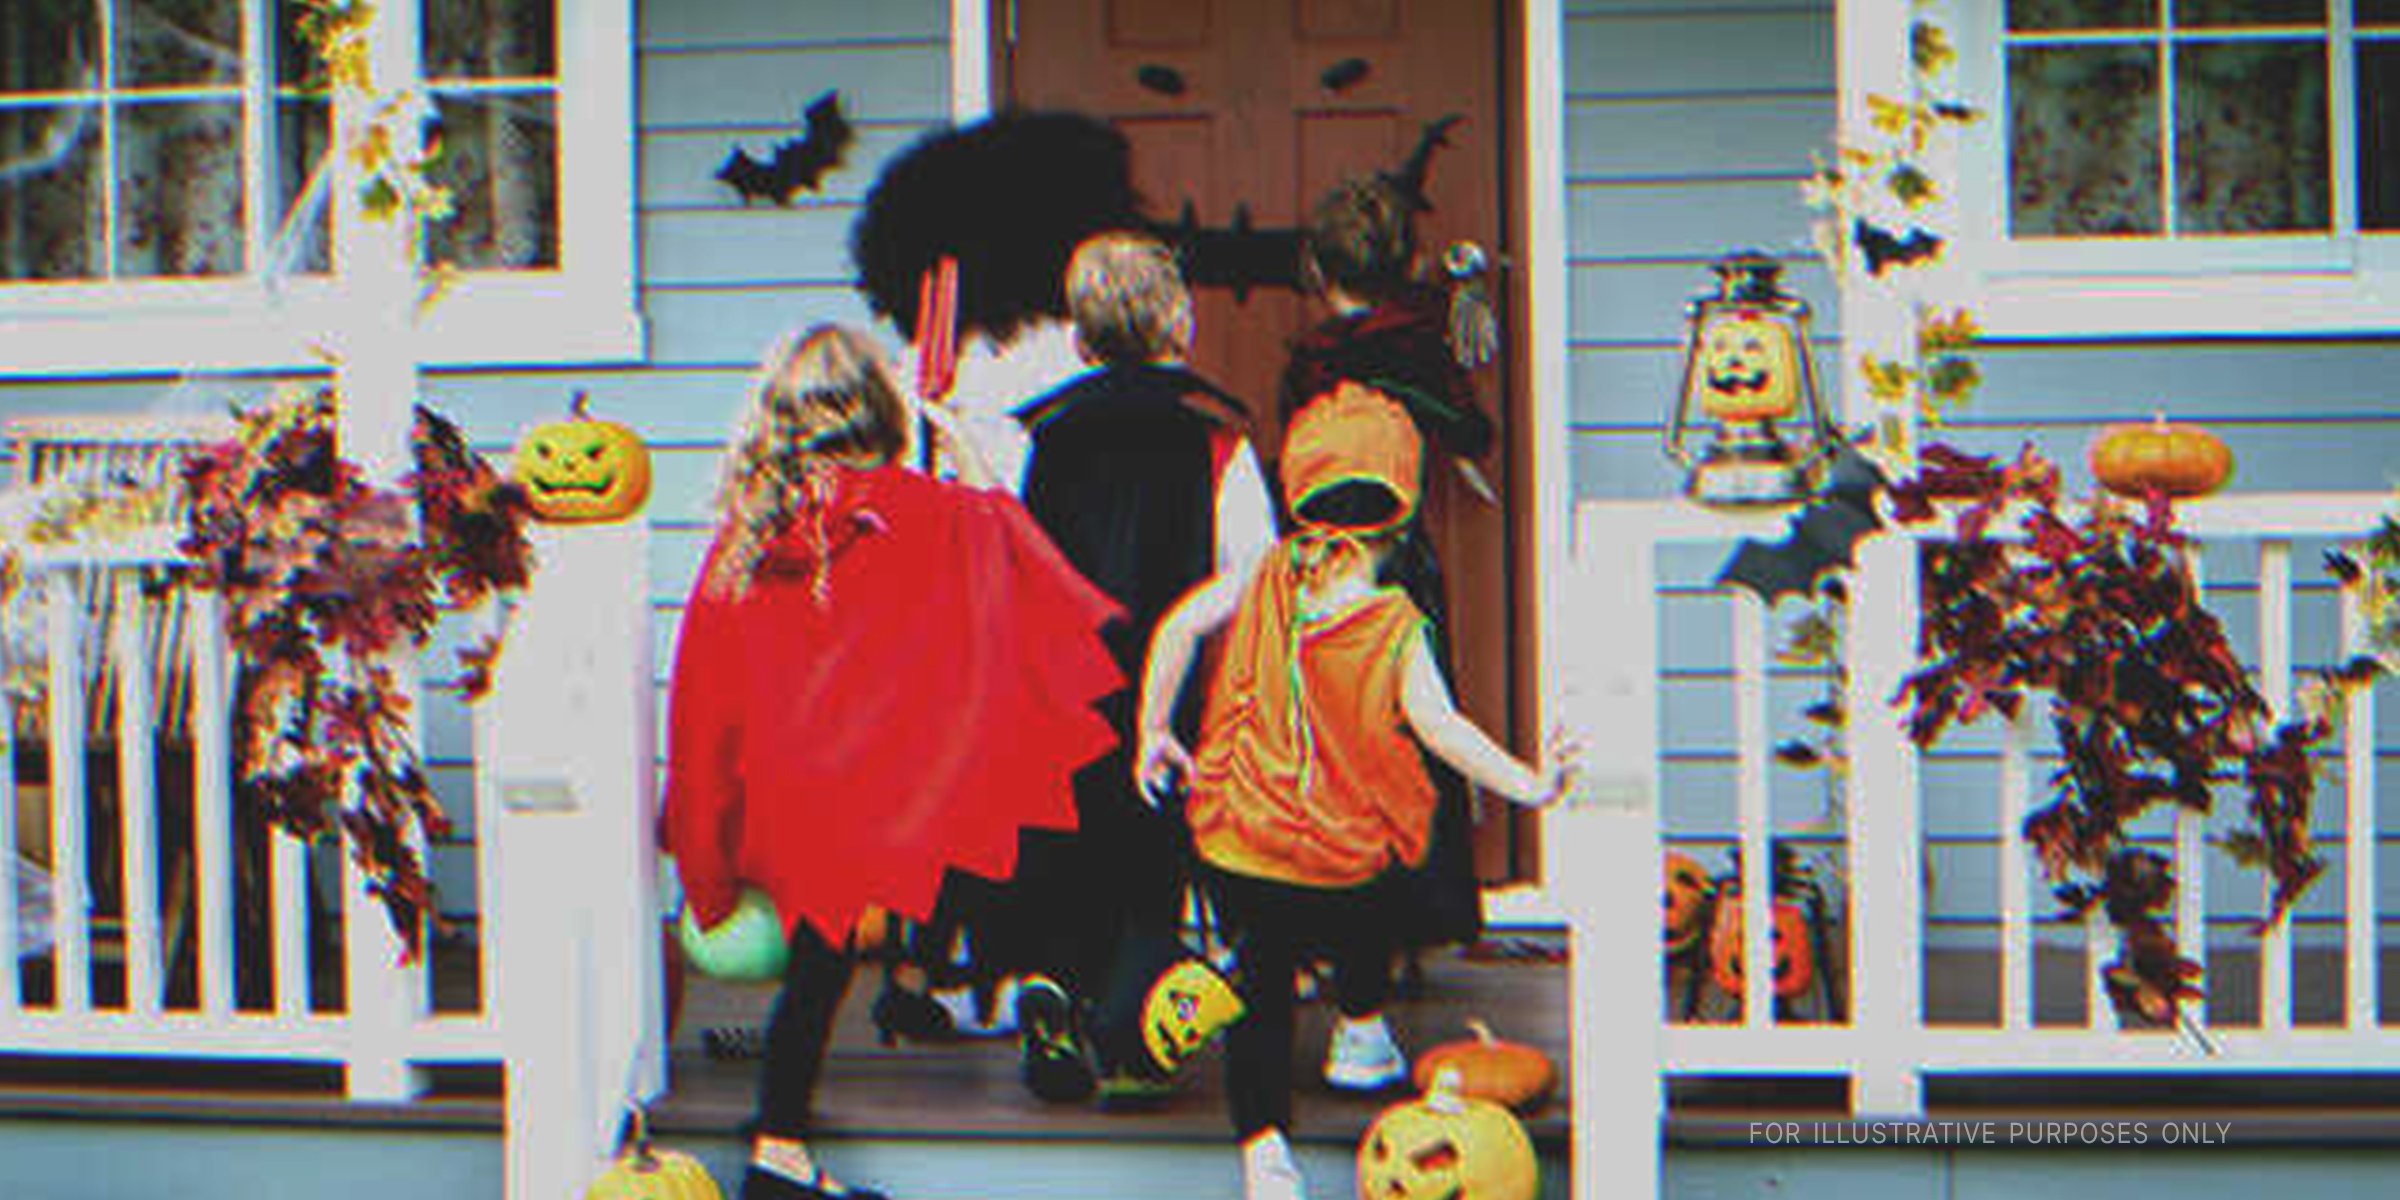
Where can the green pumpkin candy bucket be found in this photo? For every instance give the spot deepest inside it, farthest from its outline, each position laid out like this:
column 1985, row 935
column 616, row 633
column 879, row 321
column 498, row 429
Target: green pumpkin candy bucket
column 746, row 947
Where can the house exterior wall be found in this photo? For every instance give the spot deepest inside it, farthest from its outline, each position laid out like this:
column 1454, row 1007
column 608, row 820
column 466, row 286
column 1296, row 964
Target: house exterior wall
column 1688, row 129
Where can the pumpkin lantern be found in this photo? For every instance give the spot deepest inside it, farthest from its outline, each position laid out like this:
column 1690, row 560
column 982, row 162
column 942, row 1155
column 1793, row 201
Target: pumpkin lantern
column 1511, row 1074
column 1446, row 1147
column 2175, row 460
column 583, row 469
column 1187, row 1006
column 644, row 1172
column 1687, row 895
column 1746, row 369
column 1795, row 962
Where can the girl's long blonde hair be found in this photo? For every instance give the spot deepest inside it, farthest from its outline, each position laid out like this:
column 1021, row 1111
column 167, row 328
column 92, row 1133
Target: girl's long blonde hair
column 823, row 398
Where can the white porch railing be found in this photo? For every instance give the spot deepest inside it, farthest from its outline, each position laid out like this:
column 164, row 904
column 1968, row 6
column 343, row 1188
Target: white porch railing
column 145, row 898
column 1608, row 855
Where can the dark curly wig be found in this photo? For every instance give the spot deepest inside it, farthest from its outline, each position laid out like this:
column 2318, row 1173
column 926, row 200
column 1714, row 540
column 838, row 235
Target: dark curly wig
column 1009, row 197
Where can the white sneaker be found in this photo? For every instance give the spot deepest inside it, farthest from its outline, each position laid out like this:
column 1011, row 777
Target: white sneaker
column 1363, row 1057
column 1268, row 1172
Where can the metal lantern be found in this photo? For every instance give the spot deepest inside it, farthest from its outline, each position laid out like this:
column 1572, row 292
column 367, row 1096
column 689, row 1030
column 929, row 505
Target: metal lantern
column 1746, row 372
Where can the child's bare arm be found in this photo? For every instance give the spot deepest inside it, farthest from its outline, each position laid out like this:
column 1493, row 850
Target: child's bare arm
column 1436, row 722
column 1160, row 759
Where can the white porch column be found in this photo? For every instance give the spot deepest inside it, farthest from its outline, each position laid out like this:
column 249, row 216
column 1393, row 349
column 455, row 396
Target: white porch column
column 569, row 750
column 376, row 374
column 1606, row 852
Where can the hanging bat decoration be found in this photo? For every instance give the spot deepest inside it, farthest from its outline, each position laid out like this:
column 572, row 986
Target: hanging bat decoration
column 1346, row 74
column 1235, row 255
column 801, row 163
column 1882, row 248
column 1824, row 535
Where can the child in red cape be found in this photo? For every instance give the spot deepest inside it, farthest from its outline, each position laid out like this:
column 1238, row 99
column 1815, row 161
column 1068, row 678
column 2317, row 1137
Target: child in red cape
column 880, row 677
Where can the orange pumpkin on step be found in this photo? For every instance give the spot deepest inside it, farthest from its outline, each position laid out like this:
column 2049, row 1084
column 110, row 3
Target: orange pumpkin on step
column 1511, row 1074
column 2178, row 460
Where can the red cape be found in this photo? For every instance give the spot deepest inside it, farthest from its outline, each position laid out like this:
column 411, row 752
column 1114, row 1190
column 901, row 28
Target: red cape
column 846, row 753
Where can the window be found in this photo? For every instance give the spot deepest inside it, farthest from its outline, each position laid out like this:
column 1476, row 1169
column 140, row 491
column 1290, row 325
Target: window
column 2187, row 166
column 156, row 156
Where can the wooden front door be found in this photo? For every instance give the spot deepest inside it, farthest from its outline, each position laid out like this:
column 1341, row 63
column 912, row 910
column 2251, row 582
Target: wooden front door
column 1262, row 106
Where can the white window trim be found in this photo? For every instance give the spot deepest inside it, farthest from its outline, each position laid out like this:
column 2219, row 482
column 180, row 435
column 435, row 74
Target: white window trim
column 2094, row 289
column 585, row 311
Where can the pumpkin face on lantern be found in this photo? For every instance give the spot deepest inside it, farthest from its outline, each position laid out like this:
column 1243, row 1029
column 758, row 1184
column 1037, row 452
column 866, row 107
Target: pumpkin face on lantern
column 1186, row 1007
column 1746, row 369
column 583, row 469
column 1446, row 1147
column 1795, row 963
column 1687, row 895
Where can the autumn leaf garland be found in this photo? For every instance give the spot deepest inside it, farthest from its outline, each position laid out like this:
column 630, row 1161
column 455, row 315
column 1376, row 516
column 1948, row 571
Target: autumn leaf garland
column 2149, row 702
column 328, row 582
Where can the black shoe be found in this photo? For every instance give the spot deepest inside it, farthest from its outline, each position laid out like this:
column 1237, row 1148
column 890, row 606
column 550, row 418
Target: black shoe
column 767, row 1185
column 1056, row 1067
column 901, row 1014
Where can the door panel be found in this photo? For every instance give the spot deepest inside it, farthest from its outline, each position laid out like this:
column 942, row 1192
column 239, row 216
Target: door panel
column 1261, row 106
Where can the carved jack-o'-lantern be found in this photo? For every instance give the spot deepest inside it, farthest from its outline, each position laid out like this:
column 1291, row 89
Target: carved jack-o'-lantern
column 1446, row 1147
column 1795, row 962
column 1746, row 369
column 1687, row 895
column 583, row 469
column 1187, row 1006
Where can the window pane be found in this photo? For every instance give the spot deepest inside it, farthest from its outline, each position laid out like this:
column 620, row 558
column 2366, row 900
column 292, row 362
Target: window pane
column 180, row 185
column 2250, row 137
column 167, row 42
column 2379, row 135
column 2083, row 141
column 500, row 161
column 2378, row 12
column 490, row 39
column 296, row 62
column 2026, row 15
column 51, row 225
column 303, row 127
column 47, row 47
column 2199, row 13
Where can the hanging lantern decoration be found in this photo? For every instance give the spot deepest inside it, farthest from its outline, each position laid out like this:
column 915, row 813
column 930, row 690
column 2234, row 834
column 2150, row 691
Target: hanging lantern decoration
column 1746, row 373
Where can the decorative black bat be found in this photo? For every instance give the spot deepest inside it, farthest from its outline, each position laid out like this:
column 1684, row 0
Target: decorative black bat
column 1235, row 255
column 1409, row 180
column 1884, row 249
column 1824, row 534
column 800, row 163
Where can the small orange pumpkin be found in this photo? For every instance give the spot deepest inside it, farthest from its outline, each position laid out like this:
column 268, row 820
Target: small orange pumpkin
column 1795, row 962
column 1506, row 1073
column 1688, row 888
column 2178, row 460
column 583, row 469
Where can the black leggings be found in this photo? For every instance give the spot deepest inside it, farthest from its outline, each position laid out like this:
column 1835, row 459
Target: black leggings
column 1273, row 925
column 798, row 1031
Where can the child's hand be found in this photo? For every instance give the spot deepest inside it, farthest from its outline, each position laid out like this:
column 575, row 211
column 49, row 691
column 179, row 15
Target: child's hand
column 1562, row 763
column 1160, row 764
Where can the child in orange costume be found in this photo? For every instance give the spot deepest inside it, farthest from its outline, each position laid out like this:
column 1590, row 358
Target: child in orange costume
column 880, row 677
column 1308, row 791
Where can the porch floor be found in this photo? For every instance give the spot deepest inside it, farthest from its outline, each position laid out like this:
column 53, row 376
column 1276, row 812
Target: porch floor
column 970, row 1087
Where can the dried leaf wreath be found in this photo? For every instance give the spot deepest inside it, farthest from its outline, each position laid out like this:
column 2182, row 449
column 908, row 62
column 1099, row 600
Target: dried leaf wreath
column 2150, row 703
column 329, row 582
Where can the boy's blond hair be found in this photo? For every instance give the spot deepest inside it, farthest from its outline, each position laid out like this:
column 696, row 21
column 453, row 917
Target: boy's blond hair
column 1128, row 299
